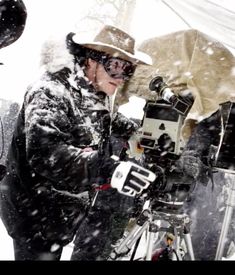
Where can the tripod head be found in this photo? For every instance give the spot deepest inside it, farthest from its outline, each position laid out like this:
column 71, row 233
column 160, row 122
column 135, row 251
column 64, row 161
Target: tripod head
column 169, row 192
column 173, row 226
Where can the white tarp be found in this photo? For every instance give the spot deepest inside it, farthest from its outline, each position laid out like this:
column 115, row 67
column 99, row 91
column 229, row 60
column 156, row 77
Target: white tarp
column 214, row 17
column 188, row 61
column 151, row 18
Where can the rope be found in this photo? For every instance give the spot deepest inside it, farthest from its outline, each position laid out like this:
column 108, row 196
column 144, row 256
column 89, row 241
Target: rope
column 164, row 2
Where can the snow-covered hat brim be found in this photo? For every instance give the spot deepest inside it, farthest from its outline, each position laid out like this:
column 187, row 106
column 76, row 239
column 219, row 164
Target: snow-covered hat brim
column 116, row 43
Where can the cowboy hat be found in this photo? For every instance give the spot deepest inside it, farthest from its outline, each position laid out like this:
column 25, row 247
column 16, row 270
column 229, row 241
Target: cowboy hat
column 117, row 43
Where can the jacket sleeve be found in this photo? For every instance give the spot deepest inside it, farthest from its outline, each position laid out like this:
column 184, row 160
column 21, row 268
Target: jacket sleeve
column 123, row 127
column 50, row 148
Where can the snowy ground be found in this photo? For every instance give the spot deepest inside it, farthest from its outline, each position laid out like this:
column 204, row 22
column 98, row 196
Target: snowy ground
column 6, row 247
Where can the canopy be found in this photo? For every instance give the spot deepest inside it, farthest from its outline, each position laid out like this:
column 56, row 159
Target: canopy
column 188, row 61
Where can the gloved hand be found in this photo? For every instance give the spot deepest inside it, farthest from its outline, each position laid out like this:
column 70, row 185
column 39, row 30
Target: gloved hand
column 190, row 164
column 131, row 179
column 135, row 150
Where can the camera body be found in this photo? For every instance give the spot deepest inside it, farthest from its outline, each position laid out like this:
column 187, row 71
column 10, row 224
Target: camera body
column 163, row 119
column 160, row 139
column 161, row 126
column 162, row 144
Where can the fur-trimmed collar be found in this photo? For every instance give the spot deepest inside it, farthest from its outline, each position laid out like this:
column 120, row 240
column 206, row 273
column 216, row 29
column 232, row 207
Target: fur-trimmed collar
column 55, row 56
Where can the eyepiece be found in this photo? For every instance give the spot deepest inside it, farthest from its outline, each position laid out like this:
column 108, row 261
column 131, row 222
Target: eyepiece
column 157, row 84
column 161, row 88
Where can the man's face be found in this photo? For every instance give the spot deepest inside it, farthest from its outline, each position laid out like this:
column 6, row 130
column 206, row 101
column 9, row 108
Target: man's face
column 105, row 82
column 111, row 75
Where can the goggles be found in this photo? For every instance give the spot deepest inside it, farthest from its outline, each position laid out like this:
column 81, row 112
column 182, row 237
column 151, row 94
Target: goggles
column 119, row 68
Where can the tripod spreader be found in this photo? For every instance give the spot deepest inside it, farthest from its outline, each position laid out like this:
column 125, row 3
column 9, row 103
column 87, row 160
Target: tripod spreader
column 148, row 221
column 141, row 225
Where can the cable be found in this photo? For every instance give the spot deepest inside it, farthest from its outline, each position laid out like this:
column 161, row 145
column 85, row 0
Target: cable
column 2, row 135
column 230, row 45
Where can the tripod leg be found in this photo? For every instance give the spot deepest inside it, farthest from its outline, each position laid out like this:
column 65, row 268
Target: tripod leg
column 188, row 241
column 131, row 238
column 187, row 238
column 224, row 232
column 226, row 221
column 135, row 249
column 177, row 246
column 126, row 245
column 153, row 228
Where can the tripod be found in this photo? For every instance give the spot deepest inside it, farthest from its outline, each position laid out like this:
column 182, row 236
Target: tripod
column 228, row 215
column 148, row 221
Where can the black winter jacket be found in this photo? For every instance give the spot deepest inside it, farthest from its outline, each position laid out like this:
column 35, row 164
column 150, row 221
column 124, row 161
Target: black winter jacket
column 47, row 166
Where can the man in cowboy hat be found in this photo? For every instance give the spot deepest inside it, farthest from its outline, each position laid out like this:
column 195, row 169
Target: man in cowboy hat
column 60, row 149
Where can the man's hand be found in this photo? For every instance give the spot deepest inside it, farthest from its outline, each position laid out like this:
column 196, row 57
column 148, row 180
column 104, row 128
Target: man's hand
column 131, row 179
column 135, row 150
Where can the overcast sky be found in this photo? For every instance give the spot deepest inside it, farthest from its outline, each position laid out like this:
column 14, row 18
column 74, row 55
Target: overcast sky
column 56, row 17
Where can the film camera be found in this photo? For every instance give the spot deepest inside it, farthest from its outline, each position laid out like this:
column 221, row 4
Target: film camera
column 161, row 128
column 163, row 119
column 160, row 139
